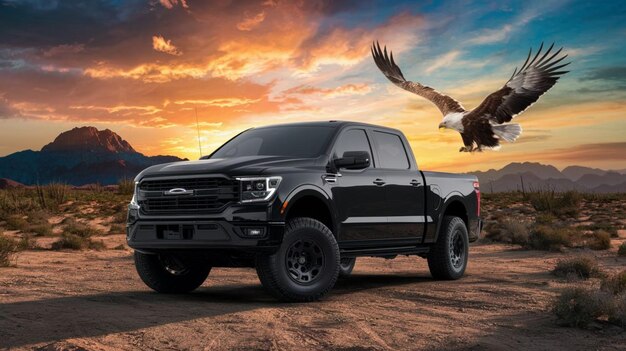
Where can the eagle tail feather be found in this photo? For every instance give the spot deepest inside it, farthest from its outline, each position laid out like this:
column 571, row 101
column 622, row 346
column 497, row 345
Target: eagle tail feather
column 509, row 132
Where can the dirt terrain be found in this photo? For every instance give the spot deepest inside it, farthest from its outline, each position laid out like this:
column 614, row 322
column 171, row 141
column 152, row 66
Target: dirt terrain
column 93, row 300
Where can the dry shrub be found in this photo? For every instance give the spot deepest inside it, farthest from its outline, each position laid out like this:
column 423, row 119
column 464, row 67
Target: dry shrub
column 545, row 218
column 80, row 229
column 581, row 267
column 604, row 226
column 75, row 242
column 618, row 315
column 117, row 228
column 508, row 231
column 599, row 240
column 544, row 237
column 8, row 249
column 126, row 186
column 578, row 307
column 16, row 222
column 52, row 195
column 26, row 242
column 622, row 249
column 615, row 283
column 558, row 204
column 41, row 229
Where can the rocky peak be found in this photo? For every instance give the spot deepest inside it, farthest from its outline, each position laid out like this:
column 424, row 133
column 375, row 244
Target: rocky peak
column 89, row 139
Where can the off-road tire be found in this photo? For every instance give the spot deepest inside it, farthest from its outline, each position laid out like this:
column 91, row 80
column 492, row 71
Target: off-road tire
column 346, row 265
column 440, row 257
column 276, row 275
column 154, row 274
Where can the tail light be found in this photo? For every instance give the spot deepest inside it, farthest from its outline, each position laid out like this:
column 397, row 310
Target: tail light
column 477, row 190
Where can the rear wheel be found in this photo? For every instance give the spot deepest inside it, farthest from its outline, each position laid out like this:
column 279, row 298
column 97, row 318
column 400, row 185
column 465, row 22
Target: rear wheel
column 306, row 265
column 447, row 259
column 168, row 273
column 346, row 265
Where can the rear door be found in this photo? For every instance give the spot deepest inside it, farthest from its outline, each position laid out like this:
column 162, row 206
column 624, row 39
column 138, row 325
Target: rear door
column 355, row 193
column 404, row 187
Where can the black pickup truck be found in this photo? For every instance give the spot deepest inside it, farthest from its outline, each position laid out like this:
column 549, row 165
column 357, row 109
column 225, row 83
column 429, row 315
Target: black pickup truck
column 299, row 202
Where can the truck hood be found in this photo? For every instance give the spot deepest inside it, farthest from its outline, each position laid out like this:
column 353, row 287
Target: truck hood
column 236, row 166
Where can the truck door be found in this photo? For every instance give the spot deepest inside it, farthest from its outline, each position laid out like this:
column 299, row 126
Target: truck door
column 358, row 198
column 404, row 187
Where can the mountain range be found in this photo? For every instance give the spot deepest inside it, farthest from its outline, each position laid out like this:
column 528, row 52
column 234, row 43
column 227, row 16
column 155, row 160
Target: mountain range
column 534, row 176
column 86, row 155
column 83, row 155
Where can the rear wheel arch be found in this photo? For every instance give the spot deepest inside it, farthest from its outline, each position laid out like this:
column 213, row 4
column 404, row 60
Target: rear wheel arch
column 454, row 206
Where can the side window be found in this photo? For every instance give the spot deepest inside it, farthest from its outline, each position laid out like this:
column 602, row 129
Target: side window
column 352, row 140
column 391, row 152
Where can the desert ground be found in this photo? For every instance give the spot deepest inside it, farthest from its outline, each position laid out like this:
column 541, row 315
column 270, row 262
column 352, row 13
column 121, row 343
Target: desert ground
column 92, row 299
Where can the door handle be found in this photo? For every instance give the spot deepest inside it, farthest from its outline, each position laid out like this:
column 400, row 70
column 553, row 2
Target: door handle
column 415, row 182
column 379, row 181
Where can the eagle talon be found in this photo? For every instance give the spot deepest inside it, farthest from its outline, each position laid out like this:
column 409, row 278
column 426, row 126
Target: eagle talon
column 465, row 149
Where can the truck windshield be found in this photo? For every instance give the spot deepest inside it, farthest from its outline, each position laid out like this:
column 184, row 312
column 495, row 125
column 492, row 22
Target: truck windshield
column 290, row 141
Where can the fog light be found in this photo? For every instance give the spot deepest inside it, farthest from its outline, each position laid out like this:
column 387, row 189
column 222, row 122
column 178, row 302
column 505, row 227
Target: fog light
column 254, row 232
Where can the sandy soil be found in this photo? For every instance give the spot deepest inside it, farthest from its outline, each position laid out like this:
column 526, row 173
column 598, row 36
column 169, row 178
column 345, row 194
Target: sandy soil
column 94, row 300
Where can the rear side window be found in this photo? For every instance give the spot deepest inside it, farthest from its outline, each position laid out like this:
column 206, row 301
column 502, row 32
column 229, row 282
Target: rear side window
column 352, row 140
column 391, row 152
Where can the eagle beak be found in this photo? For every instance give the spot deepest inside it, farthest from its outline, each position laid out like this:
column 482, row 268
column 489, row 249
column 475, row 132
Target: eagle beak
column 442, row 126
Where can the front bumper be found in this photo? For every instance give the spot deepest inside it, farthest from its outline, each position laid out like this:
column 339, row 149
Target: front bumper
column 170, row 234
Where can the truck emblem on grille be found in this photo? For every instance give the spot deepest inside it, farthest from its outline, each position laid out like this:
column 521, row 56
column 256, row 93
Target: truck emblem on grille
column 178, row 191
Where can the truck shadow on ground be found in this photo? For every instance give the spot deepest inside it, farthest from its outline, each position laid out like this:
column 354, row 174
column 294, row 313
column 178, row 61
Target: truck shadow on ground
column 51, row 319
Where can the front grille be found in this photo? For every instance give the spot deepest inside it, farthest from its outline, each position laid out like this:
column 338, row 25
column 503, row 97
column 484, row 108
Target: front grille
column 210, row 195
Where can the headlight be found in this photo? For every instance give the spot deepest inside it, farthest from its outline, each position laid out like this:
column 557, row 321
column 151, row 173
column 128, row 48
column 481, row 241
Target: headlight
column 133, row 202
column 258, row 188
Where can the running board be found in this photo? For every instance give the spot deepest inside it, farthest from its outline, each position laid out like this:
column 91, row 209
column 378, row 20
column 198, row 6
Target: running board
column 385, row 251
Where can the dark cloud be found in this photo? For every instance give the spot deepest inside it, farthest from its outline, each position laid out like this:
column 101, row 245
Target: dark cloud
column 615, row 73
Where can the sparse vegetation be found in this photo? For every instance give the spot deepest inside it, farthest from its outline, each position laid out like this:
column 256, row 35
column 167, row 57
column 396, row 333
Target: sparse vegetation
column 508, row 231
column 551, row 238
column 41, row 229
column 581, row 267
column 52, row 195
column 80, row 229
column 622, row 249
column 615, row 283
column 8, row 249
column 16, row 222
column 117, row 228
column 75, row 242
column 602, row 226
column 599, row 240
column 558, row 204
column 578, row 307
column 126, row 186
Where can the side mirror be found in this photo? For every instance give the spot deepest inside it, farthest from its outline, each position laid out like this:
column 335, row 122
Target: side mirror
column 353, row 160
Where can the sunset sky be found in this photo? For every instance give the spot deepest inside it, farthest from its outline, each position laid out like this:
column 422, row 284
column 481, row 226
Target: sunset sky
column 140, row 68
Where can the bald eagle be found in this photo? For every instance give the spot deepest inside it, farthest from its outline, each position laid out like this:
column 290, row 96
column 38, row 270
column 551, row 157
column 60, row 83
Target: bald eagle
column 484, row 126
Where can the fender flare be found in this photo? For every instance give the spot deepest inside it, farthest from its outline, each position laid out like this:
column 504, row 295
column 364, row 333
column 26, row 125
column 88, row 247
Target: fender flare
column 317, row 192
column 454, row 196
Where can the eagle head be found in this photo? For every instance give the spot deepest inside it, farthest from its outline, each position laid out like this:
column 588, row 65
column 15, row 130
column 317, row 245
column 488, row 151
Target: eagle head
column 452, row 121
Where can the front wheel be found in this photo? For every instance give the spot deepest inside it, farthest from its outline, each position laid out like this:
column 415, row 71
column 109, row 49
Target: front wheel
column 306, row 265
column 168, row 273
column 447, row 259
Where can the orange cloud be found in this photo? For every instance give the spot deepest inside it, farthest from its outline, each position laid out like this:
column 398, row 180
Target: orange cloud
column 160, row 44
column 250, row 22
column 170, row 4
column 223, row 102
column 343, row 90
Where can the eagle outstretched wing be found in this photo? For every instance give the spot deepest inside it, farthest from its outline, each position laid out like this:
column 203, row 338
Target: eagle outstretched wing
column 389, row 68
column 523, row 88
